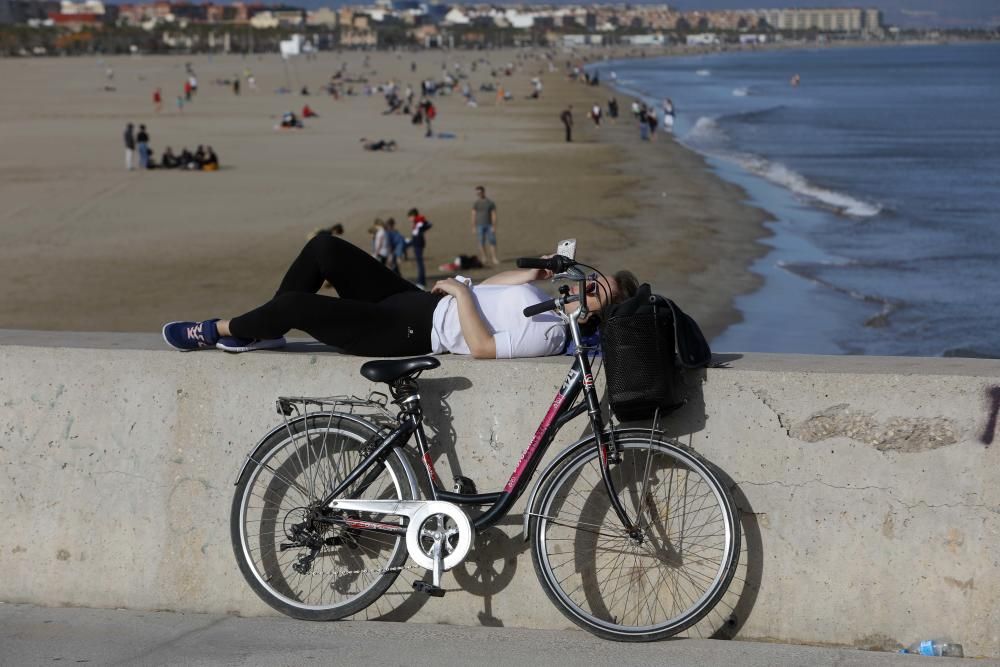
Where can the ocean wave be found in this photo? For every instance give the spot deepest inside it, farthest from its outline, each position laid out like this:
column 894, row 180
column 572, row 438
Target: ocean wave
column 709, row 136
column 811, row 271
column 754, row 115
column 790, row 179
column 704, row 72
column 741, row 92
column 706, row 132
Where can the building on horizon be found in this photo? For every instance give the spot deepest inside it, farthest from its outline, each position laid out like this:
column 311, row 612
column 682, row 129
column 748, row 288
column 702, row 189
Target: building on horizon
column 851, row 19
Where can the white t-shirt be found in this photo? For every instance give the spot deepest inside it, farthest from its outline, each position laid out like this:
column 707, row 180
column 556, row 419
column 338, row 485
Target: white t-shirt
column 502, row 307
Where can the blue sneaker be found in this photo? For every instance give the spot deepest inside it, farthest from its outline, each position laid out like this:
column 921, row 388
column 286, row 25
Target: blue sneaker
column 187, row 336
column 233, row 344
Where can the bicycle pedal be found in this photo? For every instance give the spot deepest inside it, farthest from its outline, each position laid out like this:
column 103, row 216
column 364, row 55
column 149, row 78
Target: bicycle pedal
column 429, row 589
column 465, row 486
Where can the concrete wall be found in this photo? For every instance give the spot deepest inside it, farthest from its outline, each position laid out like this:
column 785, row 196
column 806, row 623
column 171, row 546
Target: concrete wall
column 869, row 485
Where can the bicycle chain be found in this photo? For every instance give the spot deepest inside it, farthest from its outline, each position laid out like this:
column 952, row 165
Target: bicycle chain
column 341, row 573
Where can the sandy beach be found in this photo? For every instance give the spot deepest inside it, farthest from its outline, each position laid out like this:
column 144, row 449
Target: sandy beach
column 86, row 245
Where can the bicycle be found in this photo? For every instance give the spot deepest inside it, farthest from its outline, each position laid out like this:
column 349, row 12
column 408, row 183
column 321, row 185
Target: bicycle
column 634, row 536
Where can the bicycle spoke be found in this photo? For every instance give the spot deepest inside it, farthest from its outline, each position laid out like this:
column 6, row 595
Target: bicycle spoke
column 283, row 492
column 661, row 580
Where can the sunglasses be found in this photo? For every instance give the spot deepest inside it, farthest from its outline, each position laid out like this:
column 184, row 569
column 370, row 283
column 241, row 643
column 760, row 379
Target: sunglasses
column 591, row 284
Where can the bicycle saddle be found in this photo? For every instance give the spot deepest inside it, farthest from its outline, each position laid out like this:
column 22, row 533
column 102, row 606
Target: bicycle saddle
column 390, row 370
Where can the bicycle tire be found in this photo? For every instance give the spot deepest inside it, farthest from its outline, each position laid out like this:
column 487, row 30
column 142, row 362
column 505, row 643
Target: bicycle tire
column 295, row 466
column 586, row 585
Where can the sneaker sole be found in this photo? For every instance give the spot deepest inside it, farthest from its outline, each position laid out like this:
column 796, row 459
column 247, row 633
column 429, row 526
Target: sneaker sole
column 269, row 344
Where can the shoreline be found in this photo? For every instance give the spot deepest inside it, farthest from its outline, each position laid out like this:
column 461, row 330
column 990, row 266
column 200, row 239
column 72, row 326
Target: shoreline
column 86, row 246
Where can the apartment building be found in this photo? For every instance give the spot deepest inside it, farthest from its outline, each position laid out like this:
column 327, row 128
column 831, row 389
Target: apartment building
column 825, row 20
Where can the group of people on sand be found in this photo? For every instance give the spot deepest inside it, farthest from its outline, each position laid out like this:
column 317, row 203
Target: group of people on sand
column 203, row 158
column 648, row 120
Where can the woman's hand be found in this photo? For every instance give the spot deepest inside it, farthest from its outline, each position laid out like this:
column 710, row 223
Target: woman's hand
column 449, row 286
column 544, row 274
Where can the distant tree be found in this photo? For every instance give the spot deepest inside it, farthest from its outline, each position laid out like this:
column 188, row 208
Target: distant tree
column 682, row 25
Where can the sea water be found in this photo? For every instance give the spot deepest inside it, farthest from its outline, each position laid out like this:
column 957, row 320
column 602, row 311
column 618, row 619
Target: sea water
column 882, row 171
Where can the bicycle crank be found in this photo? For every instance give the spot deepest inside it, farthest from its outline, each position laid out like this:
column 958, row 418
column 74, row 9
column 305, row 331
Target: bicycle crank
column 438, row 535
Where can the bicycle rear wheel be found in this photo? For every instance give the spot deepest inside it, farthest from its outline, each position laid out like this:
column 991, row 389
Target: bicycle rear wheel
column 275, row 511
column 627, row 589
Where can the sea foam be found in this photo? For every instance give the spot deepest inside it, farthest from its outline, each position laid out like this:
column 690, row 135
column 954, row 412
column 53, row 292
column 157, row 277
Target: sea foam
column 706, row 133
column 708, row 136
column 782, row 175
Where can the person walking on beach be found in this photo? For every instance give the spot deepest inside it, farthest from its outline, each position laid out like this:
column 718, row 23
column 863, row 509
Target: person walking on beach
column 380, row 241
column 595, row 115
column 429, row 114
column 418, row 243
column 397, row 245
column 157, row 100
column 129, row 147
column 142, row 142
column 484, row 225
column 567, row 120
column 668, row 114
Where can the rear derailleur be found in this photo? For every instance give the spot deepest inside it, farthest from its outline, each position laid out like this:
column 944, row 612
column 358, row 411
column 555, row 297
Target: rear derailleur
column 306, row 535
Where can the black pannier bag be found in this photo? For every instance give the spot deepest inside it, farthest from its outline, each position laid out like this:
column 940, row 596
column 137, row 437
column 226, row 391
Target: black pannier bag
column 646, row 341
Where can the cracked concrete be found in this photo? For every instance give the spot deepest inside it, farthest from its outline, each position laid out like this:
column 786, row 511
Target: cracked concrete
column 901, row 434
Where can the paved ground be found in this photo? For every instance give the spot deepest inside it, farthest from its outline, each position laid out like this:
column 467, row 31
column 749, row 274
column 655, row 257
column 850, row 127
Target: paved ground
column 40, row 636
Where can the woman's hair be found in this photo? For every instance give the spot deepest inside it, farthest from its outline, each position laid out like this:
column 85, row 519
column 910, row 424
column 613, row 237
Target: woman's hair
column 335, row 230
column 628, row 285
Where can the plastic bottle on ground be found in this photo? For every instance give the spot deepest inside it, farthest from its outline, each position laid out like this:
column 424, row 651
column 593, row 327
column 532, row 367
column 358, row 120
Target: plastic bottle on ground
column 935, row 647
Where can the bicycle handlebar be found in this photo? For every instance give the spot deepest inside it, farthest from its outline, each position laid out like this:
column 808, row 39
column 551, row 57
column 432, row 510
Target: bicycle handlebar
column 548, row 305
column 555, row 264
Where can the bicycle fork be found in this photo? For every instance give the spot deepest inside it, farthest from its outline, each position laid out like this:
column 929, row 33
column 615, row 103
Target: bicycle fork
column 607, row 451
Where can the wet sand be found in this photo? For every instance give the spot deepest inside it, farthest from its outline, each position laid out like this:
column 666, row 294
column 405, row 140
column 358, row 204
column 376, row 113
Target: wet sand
column 87, row 246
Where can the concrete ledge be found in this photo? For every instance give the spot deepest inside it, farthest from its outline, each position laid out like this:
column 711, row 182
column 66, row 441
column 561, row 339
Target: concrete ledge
column 869, row 485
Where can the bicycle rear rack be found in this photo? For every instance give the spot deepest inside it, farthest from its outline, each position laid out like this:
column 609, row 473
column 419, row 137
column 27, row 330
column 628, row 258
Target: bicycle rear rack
column 372, row 408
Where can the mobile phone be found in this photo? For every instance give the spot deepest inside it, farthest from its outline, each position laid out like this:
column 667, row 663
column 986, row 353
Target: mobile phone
column 567, row 248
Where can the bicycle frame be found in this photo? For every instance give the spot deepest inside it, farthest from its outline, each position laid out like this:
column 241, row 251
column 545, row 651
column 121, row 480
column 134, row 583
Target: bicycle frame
column 579, row 378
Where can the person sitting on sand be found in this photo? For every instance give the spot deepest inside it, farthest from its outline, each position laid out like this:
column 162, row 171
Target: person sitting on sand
column 198, row 160
column 380, row 145
column 211, row 160
column 169, row 160
column 290, row 120
column 307, row 112
column 378, row 313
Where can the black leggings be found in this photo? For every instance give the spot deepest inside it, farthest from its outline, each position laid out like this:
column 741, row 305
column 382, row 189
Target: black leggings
column 378, row 313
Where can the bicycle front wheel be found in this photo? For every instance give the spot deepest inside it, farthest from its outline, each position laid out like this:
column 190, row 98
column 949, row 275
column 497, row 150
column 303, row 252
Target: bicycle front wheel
column 293, row 557
column 640, row 588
